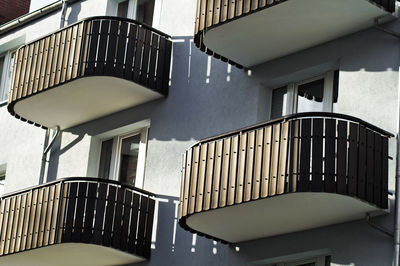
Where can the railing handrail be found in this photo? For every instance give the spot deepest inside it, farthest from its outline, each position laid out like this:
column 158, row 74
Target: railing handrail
column 294, row 116
column 144, row 25
column 69, row 179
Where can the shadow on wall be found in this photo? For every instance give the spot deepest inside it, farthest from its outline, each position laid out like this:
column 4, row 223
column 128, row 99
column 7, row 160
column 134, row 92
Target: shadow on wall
column 75, row 10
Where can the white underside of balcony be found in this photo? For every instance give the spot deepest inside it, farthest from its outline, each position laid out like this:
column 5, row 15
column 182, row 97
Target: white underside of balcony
column 70, row 254
column 289, row 27
column 278, row 215
column 83, row 100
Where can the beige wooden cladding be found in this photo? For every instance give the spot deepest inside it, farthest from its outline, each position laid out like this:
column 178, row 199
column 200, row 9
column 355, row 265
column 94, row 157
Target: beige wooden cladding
column 304, row 154
column 211, row 13
column 77, row 210
column 98, row 46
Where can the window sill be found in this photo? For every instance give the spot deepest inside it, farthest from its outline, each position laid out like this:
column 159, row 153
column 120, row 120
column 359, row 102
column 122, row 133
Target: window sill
column 4, row 103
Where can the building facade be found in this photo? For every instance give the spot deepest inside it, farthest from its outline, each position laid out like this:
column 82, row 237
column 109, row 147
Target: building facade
column 266, row 137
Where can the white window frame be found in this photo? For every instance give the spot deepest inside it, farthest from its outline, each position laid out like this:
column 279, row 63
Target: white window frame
column 3, row 172
column 4, row 79
column 292, row 93
column 116, row 151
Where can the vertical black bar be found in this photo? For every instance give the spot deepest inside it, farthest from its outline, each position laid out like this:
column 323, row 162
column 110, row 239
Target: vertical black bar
column 80, row 208
column 122, row 39
column 362, row 162
column 142, row 225
column 138, row 54
column 304, row 180
column 167, row 62
column 160, row 64
column 153, row 58
column 130, row 51
column 116, row 240
column 370, row 166
column 341, row 157
column 108, row 222
column 111, row 49
column 94, row 36
column 144, row 72
column 149, row 228
column 378, row 169
column 385, row 158
column 126, row 219
column 101, row 53
column 69, row 220
column 353, row 159
column 134, row 221
column 99, row 217
column 89, row 213
column 317, row 141
column 330, row 139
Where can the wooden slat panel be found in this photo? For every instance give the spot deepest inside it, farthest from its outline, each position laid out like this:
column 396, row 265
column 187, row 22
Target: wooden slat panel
column 67, row 55
column 142, row 225
column 101, row 53
column 56, row 214
column 34, row 68
column 39, row 64
column 134, row 223
column 43, row 216
column 233, row 170
column 353, row 159
column 49, row 215
column 38, row 218
column 304, row 178
column 72, row 54
column 69, row 220
column 181, row 197
column 231, row 9
column 266, row 161
column 111, row 48
column 197, row 21
column 274, row 159
column 32, row 219
column 293, row 156
column 209, row 176
column 330, row 154
column 46, row 67
column 283, row 154
column 62, row 53
column 342, row 158
column 60, row 229
column 21, row 222
column 385, row 165
column 57, row 55
column 5, row 225
column 251, row 136
column 203, row 12
column 10, row 222
column 109, row 216
column 86, row 41
column 28, row 70
column 78, row 51
column 317, row 145
column 217, row 13
column 28, row 207
column 79, row 213
column 258, row 164
column 370, row 166
column 193, row 179
column 99, row 217
column 116, row 239
column 16, row 74
column 89, row 213
column 241, row 168
column 93, row 46
column 362, row 163
column 14, row 225
column 201, row 177
column 126, row 220
column 224, row 10
column 188, row 166
column 217, row 174
column 209, row 14
column 246, row 6
column 138, row 54
column 225, row 172
column 377, row 169
column 254, row 5
column 239, row 7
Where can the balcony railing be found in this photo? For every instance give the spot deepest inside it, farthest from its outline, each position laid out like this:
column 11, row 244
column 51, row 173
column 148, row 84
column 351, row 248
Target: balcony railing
column 97, row 46
column 213, row 13
column 82, row 210
column 306, row 152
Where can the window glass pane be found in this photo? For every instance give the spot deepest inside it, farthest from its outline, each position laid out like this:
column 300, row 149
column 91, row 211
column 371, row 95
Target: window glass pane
column 145, row 10
column 310, row 96
column 128, row 159
column 123, row 9
column 278, row 108
column 105, row 158
column 7, row 83
column 335, row 90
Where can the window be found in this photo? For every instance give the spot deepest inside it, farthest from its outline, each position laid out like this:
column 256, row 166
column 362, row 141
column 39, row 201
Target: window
column 140, row 10
column 6, row 69
column 2, row 178
column 123, row 157
column 318, row 94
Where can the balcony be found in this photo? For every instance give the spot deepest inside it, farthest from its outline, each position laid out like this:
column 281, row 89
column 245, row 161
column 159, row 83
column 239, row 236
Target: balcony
column 89, row 69
column 250, row 32
column 299, row 172
column 85, row 221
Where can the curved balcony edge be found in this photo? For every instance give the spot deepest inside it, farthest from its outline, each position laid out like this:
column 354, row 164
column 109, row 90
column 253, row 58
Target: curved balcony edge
column 325, row 153
column 211, row 14
column 77, row 210
column 95, row 46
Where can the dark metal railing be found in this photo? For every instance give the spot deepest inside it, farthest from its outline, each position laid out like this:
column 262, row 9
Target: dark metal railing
column 84, row 210
column 305, row 152
column 96, row 46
